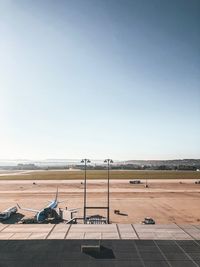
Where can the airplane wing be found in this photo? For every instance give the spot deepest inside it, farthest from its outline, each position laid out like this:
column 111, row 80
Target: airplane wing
column 68, row 222
column 32, row 210
column 73, row 210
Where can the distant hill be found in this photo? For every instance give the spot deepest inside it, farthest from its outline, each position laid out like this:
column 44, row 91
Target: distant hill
column 176, row 162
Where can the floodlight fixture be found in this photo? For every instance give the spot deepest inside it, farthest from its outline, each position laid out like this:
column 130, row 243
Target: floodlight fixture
column 108, row 161
column 85, row 161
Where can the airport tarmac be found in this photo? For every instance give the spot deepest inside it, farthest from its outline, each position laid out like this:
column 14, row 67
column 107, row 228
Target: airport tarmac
column 95, row 181
column 167, row 201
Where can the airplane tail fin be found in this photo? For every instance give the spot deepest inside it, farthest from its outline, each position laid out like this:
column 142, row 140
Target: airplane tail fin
column 56, row 198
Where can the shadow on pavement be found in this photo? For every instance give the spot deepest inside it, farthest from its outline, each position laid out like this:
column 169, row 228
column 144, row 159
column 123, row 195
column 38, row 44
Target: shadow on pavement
column 14, row 218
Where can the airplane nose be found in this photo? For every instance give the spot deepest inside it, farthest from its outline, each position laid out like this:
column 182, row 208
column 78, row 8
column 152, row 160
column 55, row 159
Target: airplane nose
column 41, row 216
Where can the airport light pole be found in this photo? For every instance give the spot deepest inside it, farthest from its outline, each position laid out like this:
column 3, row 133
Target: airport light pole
column 85, row 161
column 108, row 161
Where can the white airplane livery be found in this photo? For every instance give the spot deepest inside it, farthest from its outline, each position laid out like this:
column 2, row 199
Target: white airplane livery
column 41, row 215
column 7, row 213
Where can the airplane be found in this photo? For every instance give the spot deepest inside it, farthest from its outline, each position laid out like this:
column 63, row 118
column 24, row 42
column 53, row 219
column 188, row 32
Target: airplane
column 7, row 213
column 41, row 215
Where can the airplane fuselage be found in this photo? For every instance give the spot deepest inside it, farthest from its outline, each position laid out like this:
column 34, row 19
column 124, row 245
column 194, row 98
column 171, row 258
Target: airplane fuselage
column 41, row 216
column 7, row 213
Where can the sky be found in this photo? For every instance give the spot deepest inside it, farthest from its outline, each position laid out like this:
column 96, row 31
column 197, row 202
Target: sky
column 99, row 78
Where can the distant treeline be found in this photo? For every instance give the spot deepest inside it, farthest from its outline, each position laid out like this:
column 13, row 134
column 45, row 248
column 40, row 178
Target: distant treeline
column 138, row 167
column 146, row 167
column 180, row 167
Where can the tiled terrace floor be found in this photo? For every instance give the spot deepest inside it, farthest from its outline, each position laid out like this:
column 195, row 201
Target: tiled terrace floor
column 111, row 231
column 113, row 253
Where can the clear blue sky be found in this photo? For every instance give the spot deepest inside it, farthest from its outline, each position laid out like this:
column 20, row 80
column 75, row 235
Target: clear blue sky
column 100, row 78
